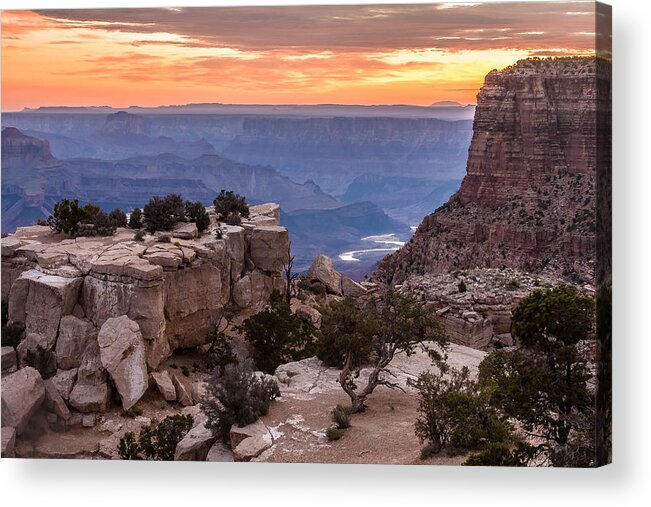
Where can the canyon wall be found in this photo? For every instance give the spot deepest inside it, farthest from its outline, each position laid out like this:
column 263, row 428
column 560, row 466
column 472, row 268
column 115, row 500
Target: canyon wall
column 168, row 295
column 528, row 198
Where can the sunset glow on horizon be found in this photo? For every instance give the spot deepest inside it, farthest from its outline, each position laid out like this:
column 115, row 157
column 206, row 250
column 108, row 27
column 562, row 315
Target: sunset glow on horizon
column 364, row 54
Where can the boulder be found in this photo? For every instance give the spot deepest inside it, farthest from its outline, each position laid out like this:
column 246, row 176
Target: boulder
column 64, row 381
column 91, row 371
column 183, row 394
column 198, row 389
column 505, row 340
column 220, row 453
column 322, row 270
column 74, row 336
column 90, row 398
column 309, row 315
column 122, row 352
column 350, row 287
column 195, row 444
column 270, row 248
column 23, row 393
column 185, row 231
column 269, row 211
column 41, row 300
column 9, row 441
column 9, row 361
column 164, row 383
column 235, row 247
column 54, row 401
column 251, row 441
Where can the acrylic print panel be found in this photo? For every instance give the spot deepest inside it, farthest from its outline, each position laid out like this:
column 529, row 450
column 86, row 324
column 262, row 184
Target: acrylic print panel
column 331, row 234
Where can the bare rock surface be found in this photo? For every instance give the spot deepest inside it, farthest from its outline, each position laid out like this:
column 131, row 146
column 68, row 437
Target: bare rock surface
column 23, row 393
column 310, row 315
column 122, row 352
column 269, row 247
column 322, row 270
column 163, row 382
column 195, row 444
column 74, row 336
column 350, row 287
column 220, row 452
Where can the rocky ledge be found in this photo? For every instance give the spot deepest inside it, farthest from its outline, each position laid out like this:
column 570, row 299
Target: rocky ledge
column 101, row 313
column 475, row 305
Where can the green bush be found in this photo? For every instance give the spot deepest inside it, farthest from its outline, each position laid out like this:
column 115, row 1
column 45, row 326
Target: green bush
column 139, row 236
column 233, row 218
column 236, row 395
column 220, row 352
column 454, row 415
column 66, row 217
column 135, row 219
column 500, row 455
column 118, row 217
column 104, row 224
column 341, row 417
column 162, row 214
column 462, row 286
column 128, row 447
column 333, row 434
column 277, row 335
column 196, row 212
column 157, row 442
column 344, row 328
column 229, row 202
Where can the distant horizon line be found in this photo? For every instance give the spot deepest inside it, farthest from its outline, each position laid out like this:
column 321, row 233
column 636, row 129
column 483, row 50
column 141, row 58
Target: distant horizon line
column 436, row 104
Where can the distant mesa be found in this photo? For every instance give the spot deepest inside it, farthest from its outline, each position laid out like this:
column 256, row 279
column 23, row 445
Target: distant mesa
column 447, row 103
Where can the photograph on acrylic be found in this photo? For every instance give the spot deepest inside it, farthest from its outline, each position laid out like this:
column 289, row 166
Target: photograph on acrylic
column 360, row 234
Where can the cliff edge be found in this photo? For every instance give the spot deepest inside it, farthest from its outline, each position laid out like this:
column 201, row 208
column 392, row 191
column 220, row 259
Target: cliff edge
column 528, row 198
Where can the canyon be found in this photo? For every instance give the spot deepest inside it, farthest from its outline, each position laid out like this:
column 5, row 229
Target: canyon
column 528, row 199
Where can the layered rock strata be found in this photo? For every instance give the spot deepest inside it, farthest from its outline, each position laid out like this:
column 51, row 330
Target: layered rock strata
column 528, row 198
column 114, row 307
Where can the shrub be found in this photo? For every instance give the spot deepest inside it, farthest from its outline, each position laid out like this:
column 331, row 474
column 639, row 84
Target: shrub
column 104, row 224
column 220, row 352
column 344, row 327
column 164, row 239
column 128, row 448
column 156, row 442
column 196, row 212
column 236, row 395
column 162, row 214
column 341, row 417
column 66, row 217
column 454, row 415
column 501, row 455
column 277, row 335
column 462, row 286
column 135, row 219
column 333, row 434
column 139, row 236
column 229, row 202
column 118, row 217
column 233, row 218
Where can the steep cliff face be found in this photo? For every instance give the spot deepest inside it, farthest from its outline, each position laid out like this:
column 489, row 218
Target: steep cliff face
column 20, row 151
column 528, row 198
column 66, row 291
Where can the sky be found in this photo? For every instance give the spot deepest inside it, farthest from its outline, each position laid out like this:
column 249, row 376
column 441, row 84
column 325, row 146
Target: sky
column 364, row 54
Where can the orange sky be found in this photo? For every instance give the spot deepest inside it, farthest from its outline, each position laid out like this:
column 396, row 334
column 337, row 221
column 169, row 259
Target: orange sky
column 370, row 54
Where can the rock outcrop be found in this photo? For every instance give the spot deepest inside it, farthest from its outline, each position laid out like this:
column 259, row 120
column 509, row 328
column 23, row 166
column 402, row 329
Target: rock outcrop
column 23, row 393
column 122, row 351
column 322, row 270
column 528, row 198
column 115, row 307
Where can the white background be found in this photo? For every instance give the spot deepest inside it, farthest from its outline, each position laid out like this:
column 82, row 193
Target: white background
column 626, row 482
